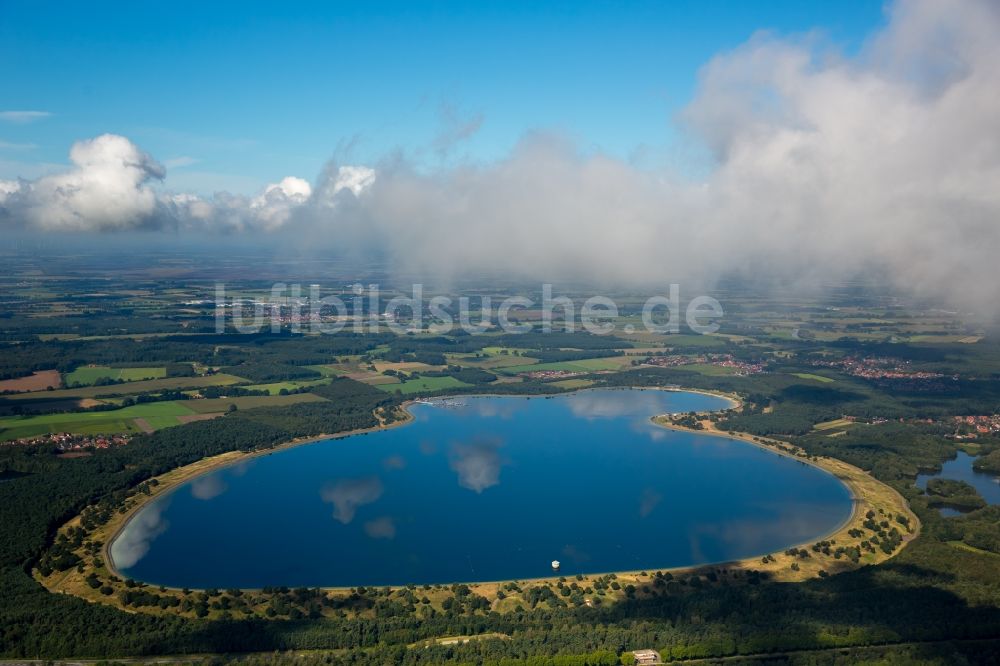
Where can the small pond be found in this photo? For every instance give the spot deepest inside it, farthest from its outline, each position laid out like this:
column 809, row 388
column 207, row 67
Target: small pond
column 960, row 469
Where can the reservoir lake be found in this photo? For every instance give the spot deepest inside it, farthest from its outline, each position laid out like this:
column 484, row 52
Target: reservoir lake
column 483, row 488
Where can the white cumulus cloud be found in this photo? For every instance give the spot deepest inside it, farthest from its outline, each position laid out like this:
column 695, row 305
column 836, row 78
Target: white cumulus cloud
column 275, row 204
column 107, row 189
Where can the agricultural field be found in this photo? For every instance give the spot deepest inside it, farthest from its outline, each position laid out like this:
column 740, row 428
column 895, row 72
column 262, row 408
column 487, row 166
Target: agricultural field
column 573, row 384
column 404, row 366
column 506, row 351
column 492, row 362
column 583, row 365
column 12, row 407
column 150, row 385
column 685, row 340
column 329, row 370
column 36, row 381
column 831, row 425
column 88, row 375
column 423, row 384
column 275, row 388
column 162, row 414
column 815, row 378
column 213, row 405
column 373, row 379
column 708, row 369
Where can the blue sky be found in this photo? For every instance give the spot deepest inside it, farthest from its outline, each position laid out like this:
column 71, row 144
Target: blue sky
column 235, row 95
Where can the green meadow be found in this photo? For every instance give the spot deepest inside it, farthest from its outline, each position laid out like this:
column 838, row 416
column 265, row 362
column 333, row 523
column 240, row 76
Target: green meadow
column 583, row 365
column 422, row 384
column 274, row 388
column 574, row 383
column 328, row 370
column 157, row 414
column 214, row 405
column 708, row 369
column 86, row 376
column 816, row 378
column 836, row 423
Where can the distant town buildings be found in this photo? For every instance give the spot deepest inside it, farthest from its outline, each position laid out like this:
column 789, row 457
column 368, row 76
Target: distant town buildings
column 65, row 441
column 720, row 360
column 548, row 375
column 970, row 427
column 878, row 367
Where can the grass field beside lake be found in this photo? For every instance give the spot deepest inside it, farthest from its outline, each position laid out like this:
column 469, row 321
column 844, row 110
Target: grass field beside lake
column 154, row 415
column 573, row 384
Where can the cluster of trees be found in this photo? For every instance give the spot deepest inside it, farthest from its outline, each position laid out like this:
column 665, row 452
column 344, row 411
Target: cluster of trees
column 161, row 396
column 564, row 355
column 397, row 355
column 230, row 392
column 19, row 328
column 179, row 370
column 988, row 463
column 21, row 357
column 262, row 372
column 462, row 374
column 954, row 494
column 488, row 653
column 554, row 346
column 170, row 369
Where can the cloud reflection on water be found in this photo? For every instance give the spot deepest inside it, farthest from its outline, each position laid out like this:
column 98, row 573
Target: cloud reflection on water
column 648, row 501
column 347, row 495
column 590, row 405
column 381, row 528
column 134, row 542
column 208, row 487
column 489, row 408
column 574, row 554
column 394, row 462
column 478, row 463
column 758, row 534
column 635, row 406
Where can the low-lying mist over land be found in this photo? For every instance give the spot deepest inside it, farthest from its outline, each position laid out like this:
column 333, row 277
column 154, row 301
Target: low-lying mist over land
column 825, row 165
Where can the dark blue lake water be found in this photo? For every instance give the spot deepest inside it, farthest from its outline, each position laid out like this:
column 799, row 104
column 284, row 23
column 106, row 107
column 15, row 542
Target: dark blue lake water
column 494, row 489
column 960, row 469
